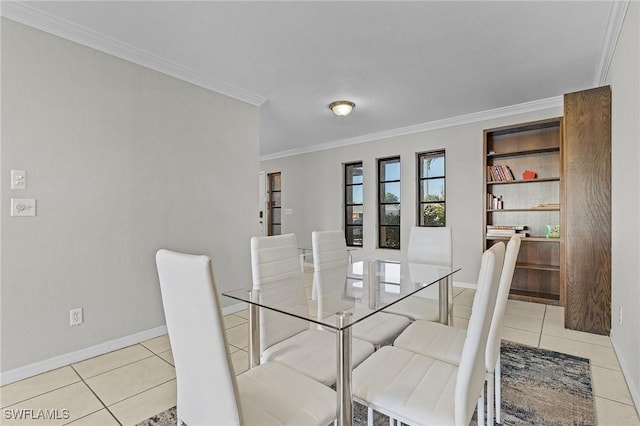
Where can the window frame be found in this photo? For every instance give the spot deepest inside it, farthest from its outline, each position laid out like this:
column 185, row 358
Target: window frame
column 382, row 202
column 420, row 179
column 347, row 185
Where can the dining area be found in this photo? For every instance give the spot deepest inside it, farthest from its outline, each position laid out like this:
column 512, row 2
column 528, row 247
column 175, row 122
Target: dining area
column 372, row 331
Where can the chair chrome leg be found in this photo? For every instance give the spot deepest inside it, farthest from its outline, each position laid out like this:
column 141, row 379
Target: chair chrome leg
column 481, row 408
column 490, row 396
column 498, row 381
column 369, row 416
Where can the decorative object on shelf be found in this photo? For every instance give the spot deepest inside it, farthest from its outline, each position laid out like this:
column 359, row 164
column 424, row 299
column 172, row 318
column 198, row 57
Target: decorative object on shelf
column 528, row 175
column 553, row 231
column 496, row 202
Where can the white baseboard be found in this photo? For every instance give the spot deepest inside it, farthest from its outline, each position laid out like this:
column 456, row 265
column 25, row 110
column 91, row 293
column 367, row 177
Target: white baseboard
column 92, row 351
column 228, row 310
column 635, row 393
column 464, row 285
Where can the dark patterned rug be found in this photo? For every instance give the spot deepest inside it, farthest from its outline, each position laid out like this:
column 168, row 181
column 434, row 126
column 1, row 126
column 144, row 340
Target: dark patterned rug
column 539, row 387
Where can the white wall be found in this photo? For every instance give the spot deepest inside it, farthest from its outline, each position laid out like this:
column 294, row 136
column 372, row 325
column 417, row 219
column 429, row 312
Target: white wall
column 122, row 161
column 312, row 185
column 624, row 78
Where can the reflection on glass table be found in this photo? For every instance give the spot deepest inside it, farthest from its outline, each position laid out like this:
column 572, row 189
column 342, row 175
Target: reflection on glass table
column 361, row 290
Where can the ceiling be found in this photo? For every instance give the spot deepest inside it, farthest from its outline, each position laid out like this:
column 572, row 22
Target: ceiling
column 404, row 64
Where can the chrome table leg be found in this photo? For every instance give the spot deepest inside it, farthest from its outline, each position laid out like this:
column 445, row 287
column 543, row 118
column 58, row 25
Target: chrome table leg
column 343, row 380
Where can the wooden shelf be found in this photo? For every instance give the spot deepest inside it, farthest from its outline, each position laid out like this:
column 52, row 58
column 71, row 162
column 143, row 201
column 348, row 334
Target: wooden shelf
column 538, row 267
column 525, row 239
column 555, row 209
column 508, row 182
column 532, row 296
column 523, row 153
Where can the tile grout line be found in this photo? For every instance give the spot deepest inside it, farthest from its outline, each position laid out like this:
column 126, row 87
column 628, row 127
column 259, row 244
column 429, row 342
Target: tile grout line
column 544, row 315
column 114, row 368
column 97, row 397
column 47, row 392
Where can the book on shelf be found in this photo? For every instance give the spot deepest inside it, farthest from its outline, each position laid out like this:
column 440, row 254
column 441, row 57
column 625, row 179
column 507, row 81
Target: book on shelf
column 506, row 230
column 499, row 173
column 515, row 227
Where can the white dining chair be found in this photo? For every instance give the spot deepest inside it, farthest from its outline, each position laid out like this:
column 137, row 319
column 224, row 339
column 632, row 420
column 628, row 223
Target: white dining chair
column 429, row 245
column 208, row 391
column 446, row 343
column 283, row 338
column 419, row 390
column 330, row 264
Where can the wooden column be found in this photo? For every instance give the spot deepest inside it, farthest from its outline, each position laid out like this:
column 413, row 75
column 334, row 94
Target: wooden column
column 586, row 224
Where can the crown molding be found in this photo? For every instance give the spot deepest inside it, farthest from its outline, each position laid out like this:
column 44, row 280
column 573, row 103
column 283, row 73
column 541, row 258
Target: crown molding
column 617, row 12
column 522, row 108
column 30, row 16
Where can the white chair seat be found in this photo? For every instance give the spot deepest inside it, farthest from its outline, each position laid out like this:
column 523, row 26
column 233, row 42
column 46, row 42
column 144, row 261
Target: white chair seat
column 378, row 328
column 261, row 391
column 406, row 386
column 416, row 308
column 313, row 353
column 434, row 340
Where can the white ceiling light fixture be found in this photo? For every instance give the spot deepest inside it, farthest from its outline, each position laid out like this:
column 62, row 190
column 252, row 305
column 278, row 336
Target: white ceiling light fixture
column 342, row 108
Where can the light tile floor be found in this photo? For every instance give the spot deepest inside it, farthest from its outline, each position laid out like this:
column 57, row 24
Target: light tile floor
column 132, row 384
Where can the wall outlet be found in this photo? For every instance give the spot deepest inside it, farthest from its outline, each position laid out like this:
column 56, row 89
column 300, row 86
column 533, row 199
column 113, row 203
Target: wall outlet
column 75, row 316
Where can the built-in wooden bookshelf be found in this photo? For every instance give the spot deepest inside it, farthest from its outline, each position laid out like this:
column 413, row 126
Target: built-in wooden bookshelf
column 529, row 203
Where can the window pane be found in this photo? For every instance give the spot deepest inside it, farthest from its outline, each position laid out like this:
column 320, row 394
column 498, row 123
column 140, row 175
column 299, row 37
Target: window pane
column 391, row 192
column 432, row 190
column 390, row 170
column 390, row 214
column 354, row 215
column 432, row 166
column 390, row 237
column 275, row 182
column 276, row 230
column 432, row 214
column 276, row 215
column 275, row 199
column 354, row 235
column 354, row 174
column 354, row 194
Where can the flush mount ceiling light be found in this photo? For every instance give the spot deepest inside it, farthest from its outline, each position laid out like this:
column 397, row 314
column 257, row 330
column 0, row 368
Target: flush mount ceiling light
column 341, row 108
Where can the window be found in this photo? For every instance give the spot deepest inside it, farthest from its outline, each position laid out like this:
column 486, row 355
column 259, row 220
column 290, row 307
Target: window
column 275, row 207
column 431, row 192
column 389, row 203
column 353, row 204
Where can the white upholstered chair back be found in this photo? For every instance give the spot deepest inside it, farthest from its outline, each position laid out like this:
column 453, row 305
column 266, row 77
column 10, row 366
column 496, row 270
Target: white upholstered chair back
column 430, row 245
column 471, row 371
column 493, row 345
column 330, row 265
column 275, row 266
column 206, row 383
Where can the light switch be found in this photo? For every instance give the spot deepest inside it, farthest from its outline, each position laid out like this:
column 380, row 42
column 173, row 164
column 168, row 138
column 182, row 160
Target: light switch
column 23, row 207
column 18, row 179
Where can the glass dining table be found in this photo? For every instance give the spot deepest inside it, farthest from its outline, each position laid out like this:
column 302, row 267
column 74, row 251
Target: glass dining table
column 362, row 290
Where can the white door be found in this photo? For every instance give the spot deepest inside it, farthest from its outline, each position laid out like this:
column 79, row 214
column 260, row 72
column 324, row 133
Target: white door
column 262, row 201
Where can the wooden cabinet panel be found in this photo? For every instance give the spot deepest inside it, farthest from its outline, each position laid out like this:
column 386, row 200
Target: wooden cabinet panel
column 586, row 224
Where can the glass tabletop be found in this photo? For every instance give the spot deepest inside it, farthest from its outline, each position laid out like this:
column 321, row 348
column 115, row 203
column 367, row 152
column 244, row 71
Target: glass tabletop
column 360, row 289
